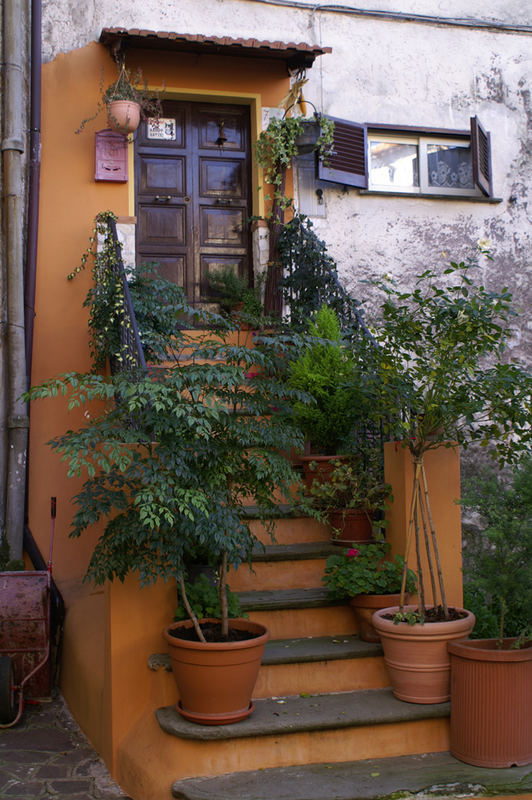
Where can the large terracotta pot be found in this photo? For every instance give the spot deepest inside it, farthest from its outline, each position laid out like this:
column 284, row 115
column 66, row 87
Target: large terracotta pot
column 364, row 606
column 491, row 703
column 350, row 526
column 123, row 116
column 216, row 680
column 416, row 655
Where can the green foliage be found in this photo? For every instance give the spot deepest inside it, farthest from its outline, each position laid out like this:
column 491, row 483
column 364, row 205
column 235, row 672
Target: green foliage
column 498, row 573
column 354, row 483
column 440, row 368
column 168, row 462
column 311, row 276
column 365, row 570
column 325, row 372
column 277, row 145
column 204, row 598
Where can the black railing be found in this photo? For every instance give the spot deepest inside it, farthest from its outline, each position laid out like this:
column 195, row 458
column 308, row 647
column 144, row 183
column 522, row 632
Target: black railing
column 131, row 353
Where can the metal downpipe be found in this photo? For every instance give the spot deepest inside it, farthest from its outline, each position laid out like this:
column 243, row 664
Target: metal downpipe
column 15, row 27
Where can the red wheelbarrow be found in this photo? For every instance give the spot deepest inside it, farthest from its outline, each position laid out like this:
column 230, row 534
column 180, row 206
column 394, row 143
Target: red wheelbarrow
column 25, row 662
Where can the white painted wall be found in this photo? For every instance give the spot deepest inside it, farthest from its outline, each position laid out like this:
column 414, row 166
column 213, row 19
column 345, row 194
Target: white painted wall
column 385, row 71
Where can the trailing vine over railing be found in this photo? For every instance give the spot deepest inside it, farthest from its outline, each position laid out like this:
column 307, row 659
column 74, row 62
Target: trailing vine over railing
column 113, row 328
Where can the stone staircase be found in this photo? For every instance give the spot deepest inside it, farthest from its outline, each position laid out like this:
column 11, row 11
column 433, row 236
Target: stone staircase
column 322, row 694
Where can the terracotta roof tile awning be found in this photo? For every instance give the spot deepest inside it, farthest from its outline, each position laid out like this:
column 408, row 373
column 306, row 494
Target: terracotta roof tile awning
column 296, row 55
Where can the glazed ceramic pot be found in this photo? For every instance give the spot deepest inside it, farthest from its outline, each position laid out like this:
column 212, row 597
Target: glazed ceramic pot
column 123, row 116
column 416, row 655
column 364, row 606
column 491, row 703
column 215, row 680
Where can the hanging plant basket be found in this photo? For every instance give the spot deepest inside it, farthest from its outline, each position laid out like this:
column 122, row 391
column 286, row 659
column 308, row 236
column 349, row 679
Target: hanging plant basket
column 123, row 116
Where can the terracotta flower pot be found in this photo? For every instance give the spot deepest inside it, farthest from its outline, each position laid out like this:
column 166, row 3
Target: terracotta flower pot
column 216, row 680
column 351, row 526
column 364, row 606
column 491, row 703
column 318, row 468
column 123, row 116
column 416, row 655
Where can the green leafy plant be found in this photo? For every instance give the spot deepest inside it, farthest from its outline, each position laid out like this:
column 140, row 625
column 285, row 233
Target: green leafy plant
column 126, row 87
column 177, row 452
column 204, row 599
column 350, row 485
column 310, row 276
column 440, row 375
column 325, row 372
column 365, row 570
column 498, row 561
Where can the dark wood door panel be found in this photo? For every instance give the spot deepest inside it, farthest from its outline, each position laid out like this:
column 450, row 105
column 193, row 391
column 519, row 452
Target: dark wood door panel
column 192, row 194
column 161, row 225
column 163, row 175
column 170, row 268
column 224, row 227
column 222, row 178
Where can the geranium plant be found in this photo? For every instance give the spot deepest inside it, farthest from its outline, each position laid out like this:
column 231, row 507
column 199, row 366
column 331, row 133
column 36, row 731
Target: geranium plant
column 365, row 570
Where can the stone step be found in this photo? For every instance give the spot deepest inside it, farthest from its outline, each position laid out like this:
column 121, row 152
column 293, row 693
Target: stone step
column 304, row 729
column 291, row 613
column 310, row 664
column 283, row 566
column 434, row 774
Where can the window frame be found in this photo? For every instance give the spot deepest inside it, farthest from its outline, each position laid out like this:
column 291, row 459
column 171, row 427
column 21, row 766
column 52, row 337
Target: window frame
column 350, row 163
column 422, row 142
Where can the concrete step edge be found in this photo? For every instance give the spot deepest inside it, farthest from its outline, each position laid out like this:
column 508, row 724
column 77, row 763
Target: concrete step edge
column 294, row 552
column 310, row 649
column 306, row 712
column 279, row 599
column 433, row 775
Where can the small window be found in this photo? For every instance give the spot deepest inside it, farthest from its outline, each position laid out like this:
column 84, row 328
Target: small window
column 405, row 160
column 421, row 165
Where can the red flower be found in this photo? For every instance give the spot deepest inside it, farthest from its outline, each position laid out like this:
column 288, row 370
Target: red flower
column 353, row 553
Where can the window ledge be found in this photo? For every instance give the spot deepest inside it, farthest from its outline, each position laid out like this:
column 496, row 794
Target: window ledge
column 415, row 195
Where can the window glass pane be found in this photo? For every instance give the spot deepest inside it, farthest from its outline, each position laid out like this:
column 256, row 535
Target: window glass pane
column 450, row 166
column 394, row 164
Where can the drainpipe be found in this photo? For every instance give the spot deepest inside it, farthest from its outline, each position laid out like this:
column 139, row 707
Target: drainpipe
column 15, row 27
column 34, row 180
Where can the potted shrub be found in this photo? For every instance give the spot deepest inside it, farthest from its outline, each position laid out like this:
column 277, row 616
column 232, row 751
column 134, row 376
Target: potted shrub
column 236, row 297
column 353, row 500
column 169, row 465
column 125, row 102
column 324, row 371
column 365, row 577
column 440, row 376
column 491, row 678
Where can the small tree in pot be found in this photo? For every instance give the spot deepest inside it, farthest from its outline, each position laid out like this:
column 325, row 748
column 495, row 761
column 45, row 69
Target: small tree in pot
column 441, row 376
column 178, row 452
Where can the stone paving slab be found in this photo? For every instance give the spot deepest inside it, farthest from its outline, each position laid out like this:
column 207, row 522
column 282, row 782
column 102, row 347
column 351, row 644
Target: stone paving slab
column 46, row 757
column 423, row 777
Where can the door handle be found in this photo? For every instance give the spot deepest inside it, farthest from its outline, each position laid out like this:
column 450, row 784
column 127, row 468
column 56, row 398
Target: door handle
column 162, row 198
column 222, row 201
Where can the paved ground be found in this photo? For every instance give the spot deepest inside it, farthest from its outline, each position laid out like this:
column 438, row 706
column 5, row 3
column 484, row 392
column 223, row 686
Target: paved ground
column 46, row 756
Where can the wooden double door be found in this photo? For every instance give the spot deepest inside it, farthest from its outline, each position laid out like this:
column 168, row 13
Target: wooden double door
column 192, row 189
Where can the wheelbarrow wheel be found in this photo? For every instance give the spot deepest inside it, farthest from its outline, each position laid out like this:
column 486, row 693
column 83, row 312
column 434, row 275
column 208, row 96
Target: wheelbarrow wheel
column 7, row 690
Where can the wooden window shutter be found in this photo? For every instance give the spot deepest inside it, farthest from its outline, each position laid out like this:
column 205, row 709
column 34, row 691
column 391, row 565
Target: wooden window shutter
column 348, row 164
column 481, row 151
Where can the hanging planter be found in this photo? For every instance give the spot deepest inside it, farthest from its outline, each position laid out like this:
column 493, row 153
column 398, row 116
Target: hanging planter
column 123, row 116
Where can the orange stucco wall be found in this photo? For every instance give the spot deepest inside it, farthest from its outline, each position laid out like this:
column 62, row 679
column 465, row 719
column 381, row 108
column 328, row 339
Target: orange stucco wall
column 443, row 479
column 69, row 201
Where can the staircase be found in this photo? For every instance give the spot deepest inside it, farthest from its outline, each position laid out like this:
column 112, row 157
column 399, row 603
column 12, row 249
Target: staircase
column 322, row 694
